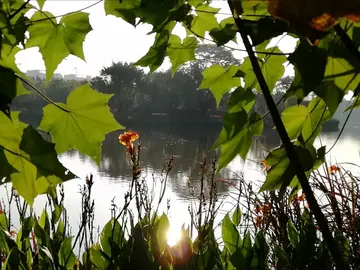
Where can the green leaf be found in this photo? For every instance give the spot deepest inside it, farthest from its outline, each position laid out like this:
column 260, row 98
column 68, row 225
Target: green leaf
column 232, row 124
column 271, row 67
column 33, row 158
column 44, row 221
column 41, row 3
column 230, row 235
column 82, row 123
column 225, row 32
column 97, row 258
column 293, row 119
column 162, row 227
column 66, row 255
column 157, row 52
column 236, row 218
column 5, row 169
column 254, row 7
column 196, row 3
column 16, row 259
column 57, row 41
column 261, row 250
column 179, row 53
column 43, row 155
column 331, row 94
column 241, row 142
column 293, row 235
column 282, row 173
column 220, row 80
column 123, row 9
column 10, row 87
column 204, row 21
column 343, row 73
column 282, row 256
column 112, row 238
column 241, row 99
column 310, row 63
column 318, row 114
column 265, row 29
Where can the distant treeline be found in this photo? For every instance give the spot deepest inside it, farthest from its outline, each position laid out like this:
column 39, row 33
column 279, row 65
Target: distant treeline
column 140, row 96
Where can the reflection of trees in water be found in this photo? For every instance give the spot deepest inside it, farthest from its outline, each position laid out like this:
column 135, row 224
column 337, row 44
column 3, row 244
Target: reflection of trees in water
column 188, row 146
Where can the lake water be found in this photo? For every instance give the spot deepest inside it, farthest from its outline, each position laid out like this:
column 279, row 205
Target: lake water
column 188, row 147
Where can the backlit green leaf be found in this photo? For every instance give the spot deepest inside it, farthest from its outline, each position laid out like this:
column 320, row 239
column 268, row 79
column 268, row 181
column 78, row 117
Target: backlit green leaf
column 67, row 257
column 97, row 258
column 34, row 159
column 112, row 237
column 236, row 218
column 331, row 94
column 271, row 66
column 204, row 21
column 225, row 32
column 241, row 99
column 57, row 41
column 318, row 114
column 230, row 235
column 294, row 118
column 343, row 73
column 292, row 234
column 41, row 3
column 123, row 9
column 181, row 52
column 82, row 123
column 265, row 29
column 156, row 54
column 220, row 80
column 309, row 62
column 237, row 138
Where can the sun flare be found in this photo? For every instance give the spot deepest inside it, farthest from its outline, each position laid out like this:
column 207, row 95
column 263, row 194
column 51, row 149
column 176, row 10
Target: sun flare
column 173, row 236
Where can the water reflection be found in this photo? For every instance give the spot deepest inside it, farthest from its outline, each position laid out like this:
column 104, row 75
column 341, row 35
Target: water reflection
column 188, row 150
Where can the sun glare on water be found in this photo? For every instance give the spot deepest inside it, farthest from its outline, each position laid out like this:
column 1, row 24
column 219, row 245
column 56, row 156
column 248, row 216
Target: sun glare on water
column 173, row 236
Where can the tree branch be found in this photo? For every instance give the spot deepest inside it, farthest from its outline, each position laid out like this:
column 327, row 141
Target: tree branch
column 19, row 9
column 294, row 159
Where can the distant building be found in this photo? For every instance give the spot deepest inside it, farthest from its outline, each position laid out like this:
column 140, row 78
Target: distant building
column 36, row 74
column 70, row 77
column 41, row 75
column 57, row 76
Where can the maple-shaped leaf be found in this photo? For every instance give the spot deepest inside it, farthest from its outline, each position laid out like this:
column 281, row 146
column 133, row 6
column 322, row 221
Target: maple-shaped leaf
column 82, row 123
column 179, row 53
column 34, row 163
column 345, row 76
column 271, row 66
column 220, row 80
column 123, row 9
column 294, row 118
column 57, row 41
column 41, row 3
column 204, row 21
column 157, row 52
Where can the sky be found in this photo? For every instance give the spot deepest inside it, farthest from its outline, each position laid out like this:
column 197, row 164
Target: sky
column 111, row 40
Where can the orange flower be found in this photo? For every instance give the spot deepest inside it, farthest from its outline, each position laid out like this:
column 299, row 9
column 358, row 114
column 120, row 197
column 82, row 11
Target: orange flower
column 265, row 164
column 353, row 17
column 323, row 22
column 128, row 137
column 301, row 198
column 333, row 169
